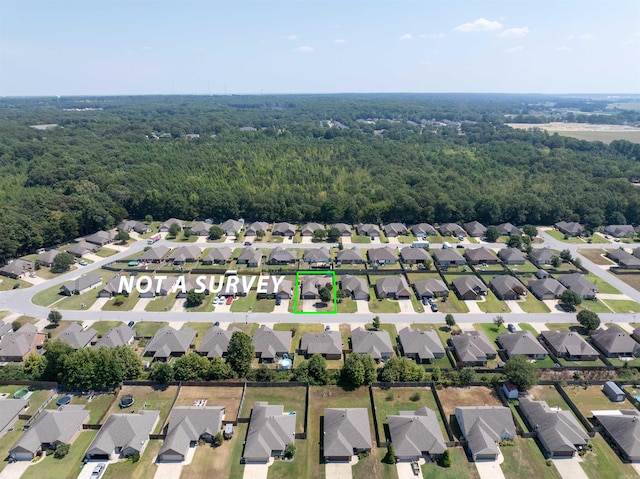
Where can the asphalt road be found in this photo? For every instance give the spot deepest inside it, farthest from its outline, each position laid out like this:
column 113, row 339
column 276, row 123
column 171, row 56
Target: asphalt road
column 19, row 300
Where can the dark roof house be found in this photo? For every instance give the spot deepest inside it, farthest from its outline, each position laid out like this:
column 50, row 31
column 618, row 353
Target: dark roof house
column 475, row 229
column 623, row 428
column 614, row 342
column 346, row 433
column 119, row 336
column 123, row 435
column 507, row 288
column 521, row 343
column 270, row 344
column 480, row 256
column 416, row 434
column 546, row 289
column 473, row 348
column 483, row 427
column 430, row 288
column 570, row 228
column 578, row 283
column 511, row 256
column 422, row 346
column 187, row 425
column 169, row 342
column 469, row 287
column 328, row 344
column 270, row 430
column 356, row 286
column 77, row 337
column 570, row 346
column 395, row 287
column 392, row 230
column 375, row 343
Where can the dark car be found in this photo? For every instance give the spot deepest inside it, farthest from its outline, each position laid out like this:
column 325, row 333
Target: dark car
column 278, row 301
column 425, row 300
column 511, row 328
column 434, row 308
column 217, row 323
column 131, row 323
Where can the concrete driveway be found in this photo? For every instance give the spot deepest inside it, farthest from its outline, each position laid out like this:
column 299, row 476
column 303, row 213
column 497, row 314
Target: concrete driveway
column 405, row 471
column 363, row 307
column 490, row 469
column 168, row 470
column 338, row 470
column 15, row 470
column 253, row 471
column 406, row 307
column 283, row 308
column 570, row 468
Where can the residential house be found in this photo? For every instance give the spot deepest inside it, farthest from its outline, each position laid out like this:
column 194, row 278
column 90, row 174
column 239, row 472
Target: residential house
column 17, row 268
column 346, row 433
column 521, row 343
column 570, row 228
column 620, row 231
column 5, row 328
column 270, row 431
column 200, row 228
column 112, row 288
column 421, row 346
column 558, row 431
column 187, row 426
column 382, row 256
column 283, row 290
column 161, row 287
column 613, row 391
column 416, row 435
column 215, row 342
column 356, row 287
column 394, row 287
column 507, row 288
column 123, row 435
column 392, row 230
column 317, row 256
column 430, row 288
column 122, row 335
column 232, row 227
column 328, row 344
column 309, row 228
column 253, row 228
column 349, row 256
column 448, row 257
column 51, row 428
column 81, row 248
column 47, row 257
column 184, row 254
column 250, row 256
column 483, row 427
column 625, row 260
column 15, row 346
column 623, row 429
column 154, row 255
column 615, row 343
column 270, row 344
column 164, row 227
column 345, row 229
column 280, row 255
column 511, row 256
column 310, row 285
column 469, row 287
column 546, row 289
column 541, row 256
column 284, row 229
column 475, row 229
column 136, row 226
column 219, row 255
column 368, row 229
column 81, row 284
column 78, row 337
column 10, row 409
column 570, row 346
column 480, row 256
column 578, row 283
column 168, row 343
column 100, row 238
column 507, row 229
column 411, row 255
column 473, row 348
column 375, row 343
column 451, row 229
column 422, row 230
column 542, row 274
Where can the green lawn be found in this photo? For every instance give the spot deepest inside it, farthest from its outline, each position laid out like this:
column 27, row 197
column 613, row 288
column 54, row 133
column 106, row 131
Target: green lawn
column 205, row 307
column 236, row 469
column 531, row 304
column 46, row 297
column 389, row 328
column 593, row 398
column 564, row 327
column 22, row 320
column 102, row 327
column 491, row 304
column 418, row 307
column 248, row 328
column 148, row 328
column 452, row 304
column 7, row 284
column 293, row 399
column 560, row 237
column 527, row 267
column 265, row 305
column 603, row 463
column 491, row 330
column 106, row 252
column 154, row 398
column 65, row 468
column 372, row 466
column 382, row 306
column 601, row 284
column 528, row 327
column 9, row 439
column 162, row 303
column 79, row 301
column 347, row 305
column 300, row 329
column 244, row 303
column 145, row 468
column 460, row 468
column 524, row 459
column 597, row 239
column 129, row 302
column 360, row 239
column 596, row 306
column 3, row 314
column 622, row 305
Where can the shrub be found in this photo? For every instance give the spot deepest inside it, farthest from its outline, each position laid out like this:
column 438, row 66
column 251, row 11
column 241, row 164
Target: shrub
column 445, row 459
column 390, row 456
column 549, row 462
column 415, row 397
column 217, row 439
column 390, row 396
column 119, row 301
column 62, row 450
column 290, row 450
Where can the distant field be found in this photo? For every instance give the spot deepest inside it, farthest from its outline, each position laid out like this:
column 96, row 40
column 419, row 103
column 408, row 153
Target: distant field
column 586, row 131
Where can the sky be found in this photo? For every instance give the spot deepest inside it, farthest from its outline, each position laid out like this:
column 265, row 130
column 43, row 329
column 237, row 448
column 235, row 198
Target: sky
column 141, row 47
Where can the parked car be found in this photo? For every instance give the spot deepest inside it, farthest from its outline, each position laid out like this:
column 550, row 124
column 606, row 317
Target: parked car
column 97, row 471
column 278, row 301
column 425, row 300
column 511, row 328
column 218, row 300
column 230, row 300
column 247, row 243
column 82, row 263
column 217, row 323
column 131, row 323
column 434, row 308
column 327, row 328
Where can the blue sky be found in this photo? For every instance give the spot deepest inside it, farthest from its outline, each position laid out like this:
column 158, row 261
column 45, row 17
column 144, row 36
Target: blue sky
column 114, row 47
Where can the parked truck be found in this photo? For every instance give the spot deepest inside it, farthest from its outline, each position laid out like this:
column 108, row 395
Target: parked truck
column 154, row 238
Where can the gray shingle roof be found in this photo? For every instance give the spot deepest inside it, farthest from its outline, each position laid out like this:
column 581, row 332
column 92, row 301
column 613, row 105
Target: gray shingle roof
column 81, row 283
column 520, row 342
column 185, row 253
column 468, row 284
column 624, row 428
column 395, row 229
column 349, row 255
column 124, row 431
column 269, row 343
column 309, row 228
column 542, row 287
column 218, row 255
column 614, row 341
column 414, row 254
column 256, row 226
column 343, row 228
column 423, row 229
column 18, row 343
column 383, row 254
column 231, row 227
column 9, row 410
column 473, row 346
column 328, row 342
column 541, row 255
column 168, row 342
column 270, row 430
column 51, row 427
column 250, row 255
column 423, row 344
column 474, row 228
column 415, row 433
column 189, row 423
column 430, row 287
column 579, row 284
column 317, row 255
column 47, row 257
column 154, row 254
column 624, row 259
column 375, row 343
column 368, row 229
column 451, row 229
column 479, row 255
column 511, row 255
column 485, row 426
column 76, row 337
column 4, row 329
column 507, row 229
column 354, row 285
column 346, row 430
column 448, row 255
column 81, row 248
column 215, row 342
column 571, row 343
column 167, row 224
column 506, row 286
column 100, row 237
column 395, row 286
column 286, row 229
column 118, row 336
column 620, row 231
column 571, row 228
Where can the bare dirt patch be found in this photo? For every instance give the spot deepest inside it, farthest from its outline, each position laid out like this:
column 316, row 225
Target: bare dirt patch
column 595, row 255
column 229, row 397
column 470, row 396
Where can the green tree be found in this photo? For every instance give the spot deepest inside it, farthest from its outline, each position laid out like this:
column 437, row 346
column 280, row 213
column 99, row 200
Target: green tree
column 122, row 237
column 445, row 459
column 556, row 262
column 215, row 232
column 290, row 450
column 569, row 299
column 191, row 367
column 577, row 262
column 260, row 234
column 530, row 230
column 161, row 373
column 174, row 230
column 186, row 233
column 78, row 370
column 264, row 374
column 370, row 369
column 333, row 235
column 129, row 362
column 466, row 375
column 390, row 456
column 61, row 450
column 352, row 372
column 520, row 372
column 194, row 299
column 436, row 374
column 450, row 320
column 376, row 323
column 240, row 353
column 148, row 219
column 565, row 255
column 589, row 319
column 56, row 353
column 219, row 370
column 319, row 234
column 498, row 321
column 326, row 294
column 218, row 439
column 62, row 262
column 401, row 369
column 54, row 317
column 492, row 234
column 514, row 241
column 317, row 370
column 34, row 366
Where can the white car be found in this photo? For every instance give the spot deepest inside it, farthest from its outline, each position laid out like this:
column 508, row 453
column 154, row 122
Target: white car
column 97, row 471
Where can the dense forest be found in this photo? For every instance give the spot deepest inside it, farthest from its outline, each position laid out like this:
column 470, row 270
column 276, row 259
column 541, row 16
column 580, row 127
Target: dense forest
column 409, row 158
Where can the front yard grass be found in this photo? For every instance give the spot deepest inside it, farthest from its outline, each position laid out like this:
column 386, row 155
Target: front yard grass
column 44, row 298
column 7, row 284
column 372, row 466
column 129, row 302
column 106, row 252
column 102, row 327
column 461, row 467
column 162, row 303
column 359, row 238
column 531, row 304
column 200, row 329
column 452, row 304
column 601, row 284
column 248, row 328
column 491, row 304
column 596, row 306
column 622, row 305
column 491, row 330
column 560, row 237
column 149, row 328
column 382, row 306
column 145, row 468
column 243, row 304
column 595, row 256
column 347, row 305
column 524, row 459
column 210, row 462
column 603, row 463
column 265, row 305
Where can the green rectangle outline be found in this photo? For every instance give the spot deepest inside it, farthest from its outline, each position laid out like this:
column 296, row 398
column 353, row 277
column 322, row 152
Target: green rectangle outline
column 296, row 292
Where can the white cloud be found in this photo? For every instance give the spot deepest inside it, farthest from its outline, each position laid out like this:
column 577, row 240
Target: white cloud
column 437, row 36
column 586, row 36
column 515, row 49
column 406, row 36
column 341, row 41
column 304, row 49
column 292, row 37
column 479, row 25
column 515, row 32
column 563, row 49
